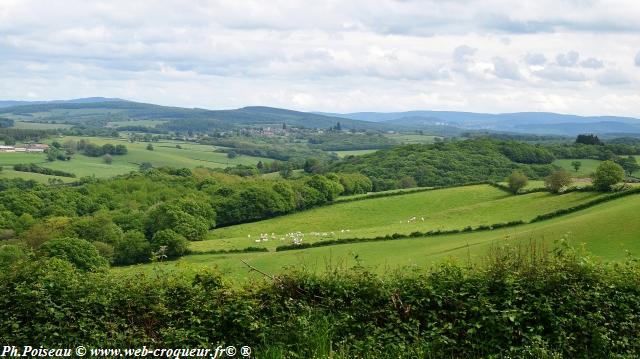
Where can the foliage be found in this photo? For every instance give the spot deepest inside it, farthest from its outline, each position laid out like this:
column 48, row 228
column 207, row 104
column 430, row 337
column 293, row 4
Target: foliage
column 169, row 243
column 629, row 164
column 341, row 141
column 521, row 303
column 6, row 122
column 32, row 167
column 607, row 174
column 576, row 165
column 588, row 139
column 558, row 180
column 81, row 253
column 517, row 181
column 446, row 163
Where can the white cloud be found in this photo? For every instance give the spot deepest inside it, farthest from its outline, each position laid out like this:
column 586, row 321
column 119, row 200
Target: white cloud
column 569, row 59
column 592, row 63
column 506, row 69
column 328, row 55
column 535, row 59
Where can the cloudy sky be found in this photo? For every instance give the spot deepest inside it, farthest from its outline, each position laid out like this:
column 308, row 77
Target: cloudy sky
column 569, row 56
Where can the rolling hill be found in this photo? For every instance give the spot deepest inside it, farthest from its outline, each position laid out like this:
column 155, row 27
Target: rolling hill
column 606, row 230
column 519, row 122
column 99, row 110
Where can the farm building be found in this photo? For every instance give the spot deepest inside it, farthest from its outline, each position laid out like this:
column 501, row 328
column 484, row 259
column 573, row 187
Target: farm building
column 7, row 149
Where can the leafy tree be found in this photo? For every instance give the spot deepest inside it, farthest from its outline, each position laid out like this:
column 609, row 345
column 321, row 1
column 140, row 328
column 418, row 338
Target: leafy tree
column 108, row 148
column 607, row 174
column 150, row 147
column 232, row 154
column 588, row 139
column 105, row 250
column 175, row 244
column 11, row 253
column 188, row 218
column 79, row 252
column 517, row 181
column 576, row 165
column 145, row 166
column 98, row 228
column 407, row 182
column 9, row 141
column 120, row 150
column 629, row 164
column 132, row 248
column 107, row 159
column 557, row 180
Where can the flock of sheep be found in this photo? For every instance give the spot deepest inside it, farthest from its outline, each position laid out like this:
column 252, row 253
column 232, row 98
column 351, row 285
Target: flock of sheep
column 297, row 237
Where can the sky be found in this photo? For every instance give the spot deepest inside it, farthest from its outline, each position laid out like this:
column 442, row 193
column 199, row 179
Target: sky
column 567, row 56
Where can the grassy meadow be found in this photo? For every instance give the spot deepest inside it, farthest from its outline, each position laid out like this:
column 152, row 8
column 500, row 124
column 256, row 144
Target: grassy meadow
column 606, row 230
column 165, row 153
column 443, row 209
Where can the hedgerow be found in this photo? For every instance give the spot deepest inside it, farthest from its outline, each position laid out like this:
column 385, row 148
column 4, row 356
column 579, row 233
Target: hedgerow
column 513, row 305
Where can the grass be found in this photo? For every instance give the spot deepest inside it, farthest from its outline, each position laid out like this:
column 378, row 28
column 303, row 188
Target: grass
column 165, row 153
column 587, row 168
column 412, row 138
column 451, row 208
column 7, row 172
column 146, row 123
column 607, row 230
column 26, row 125
column 343, row 154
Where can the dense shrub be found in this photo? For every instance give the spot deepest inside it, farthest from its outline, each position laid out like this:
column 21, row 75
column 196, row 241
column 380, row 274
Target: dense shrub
column 82, row 254
column 32, row 167
column 518, row 304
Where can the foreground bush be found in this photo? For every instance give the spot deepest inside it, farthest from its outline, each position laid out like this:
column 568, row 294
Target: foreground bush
column 517, row 304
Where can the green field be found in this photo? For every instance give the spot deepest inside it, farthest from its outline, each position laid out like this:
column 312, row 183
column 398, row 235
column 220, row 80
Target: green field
column 7, row 172
column 607, row 230
column 343, row 154
column 146, row 123
column 412, row 138
column 588, row 166
column 165, row 153
column 444, row 209
column 39, row 126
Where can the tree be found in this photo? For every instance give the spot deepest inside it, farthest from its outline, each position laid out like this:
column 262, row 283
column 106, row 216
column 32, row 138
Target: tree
column 173, row 243
column 79, row 252
column 407, row 182
column 120, row 150
column 517, row 180
column 132, row 248
column 607, row 174
column 576, row 165
column 145, row 166
column 9, row 141
column 232, row 154
column 150, row 147
column 107, row 159
column 629, row 164
column 557, row 180
column 588, row 139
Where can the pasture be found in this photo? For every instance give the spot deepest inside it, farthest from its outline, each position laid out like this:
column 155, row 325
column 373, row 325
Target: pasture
column 165, row 153
column 606, row 230
column 441, row 209
column 588, row 166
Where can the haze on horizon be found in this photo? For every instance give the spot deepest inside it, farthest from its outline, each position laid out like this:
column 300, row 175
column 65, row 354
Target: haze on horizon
column 570, row 56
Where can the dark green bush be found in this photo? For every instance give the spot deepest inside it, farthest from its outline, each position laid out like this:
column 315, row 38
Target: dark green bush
column 516, row 305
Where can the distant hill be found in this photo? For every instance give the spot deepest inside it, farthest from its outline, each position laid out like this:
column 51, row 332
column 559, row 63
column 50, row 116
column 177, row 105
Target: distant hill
column 93, row 110
column 520, row 122
column 79, row 100
column 98, row 111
